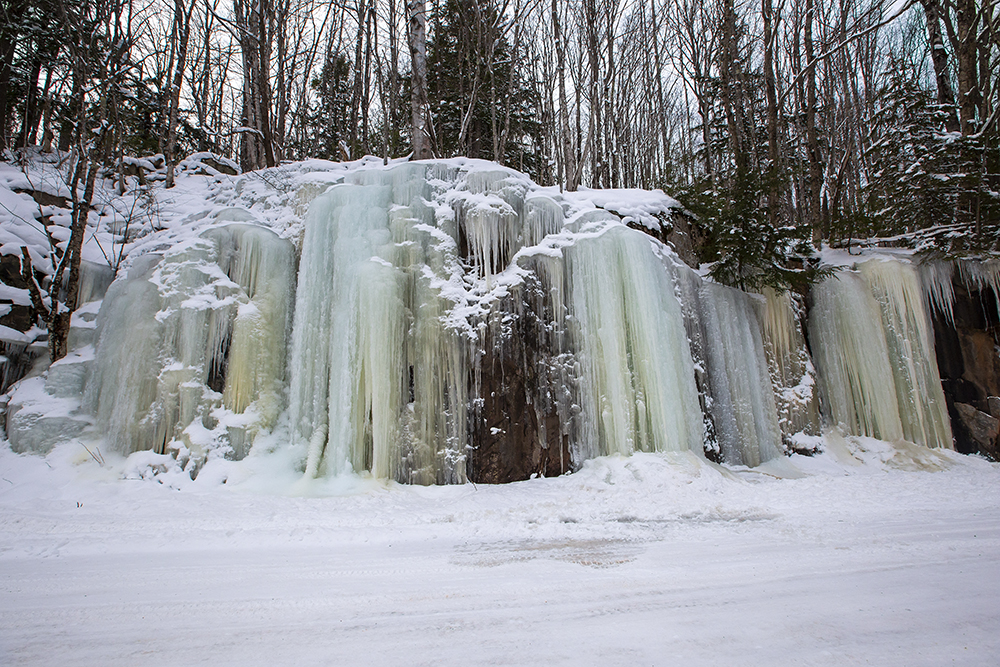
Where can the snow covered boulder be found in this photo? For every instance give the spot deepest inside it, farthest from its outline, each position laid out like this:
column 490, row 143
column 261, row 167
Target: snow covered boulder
column 37, row 420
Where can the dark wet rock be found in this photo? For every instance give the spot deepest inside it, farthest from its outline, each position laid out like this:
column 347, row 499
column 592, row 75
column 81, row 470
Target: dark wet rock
column 969, row 364
column 980, row 427
column 517, row 427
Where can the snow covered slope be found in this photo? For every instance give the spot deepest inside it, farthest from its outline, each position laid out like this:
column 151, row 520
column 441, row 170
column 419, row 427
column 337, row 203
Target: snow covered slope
column 654, row 559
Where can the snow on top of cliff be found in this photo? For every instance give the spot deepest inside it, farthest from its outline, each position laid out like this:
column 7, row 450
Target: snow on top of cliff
column 144, row 218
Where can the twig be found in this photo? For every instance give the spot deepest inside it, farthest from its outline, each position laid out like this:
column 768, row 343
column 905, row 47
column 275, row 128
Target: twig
column 97, row 457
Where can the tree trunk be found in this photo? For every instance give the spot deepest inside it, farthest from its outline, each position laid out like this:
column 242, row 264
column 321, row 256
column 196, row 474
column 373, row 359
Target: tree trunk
column 966, row 21
column 182, row 31
column 419, row 106
column 773, row 186
column 939, row 56
column 814, row 208
column 567, row 141
column 8, row 43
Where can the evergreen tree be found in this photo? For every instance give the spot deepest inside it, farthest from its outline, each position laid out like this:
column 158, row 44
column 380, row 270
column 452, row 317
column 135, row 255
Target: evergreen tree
column 329, row 119
column 927, row 177
column 482, row 105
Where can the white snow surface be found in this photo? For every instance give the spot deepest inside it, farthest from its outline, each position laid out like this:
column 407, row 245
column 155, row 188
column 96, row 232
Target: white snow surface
column 868, row 554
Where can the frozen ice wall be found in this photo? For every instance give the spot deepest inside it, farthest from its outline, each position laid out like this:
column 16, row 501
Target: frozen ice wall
column 743, row 408
column 413, row 285
column 191, row 344
column 639, row 389
column 910, row 342
column 454, row 321
column 873, row 346
column 378, row 382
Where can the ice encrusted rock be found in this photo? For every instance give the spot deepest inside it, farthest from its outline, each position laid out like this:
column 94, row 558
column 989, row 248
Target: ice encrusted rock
column 67, row 376
column 37, row 421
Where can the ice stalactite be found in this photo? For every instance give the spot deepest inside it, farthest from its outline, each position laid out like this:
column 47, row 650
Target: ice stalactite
column 852, row 357
column 981, row 275
column 743, row 406
column 793, row 377
column 94, row 282
column 937, row 279
column 638, row 377
column 490, row 212
column 542, row 216
column 344, row 229
column 910, row 343
column 179, row 333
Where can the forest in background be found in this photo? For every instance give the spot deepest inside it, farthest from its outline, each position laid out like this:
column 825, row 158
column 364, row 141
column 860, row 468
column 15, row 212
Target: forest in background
column 779, row 124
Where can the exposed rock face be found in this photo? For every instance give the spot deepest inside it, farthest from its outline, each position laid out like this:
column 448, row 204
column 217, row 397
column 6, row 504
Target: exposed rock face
column 970, row 366
column 980, row 427
column 19, row 316
column 516, row 429
column 680, row 232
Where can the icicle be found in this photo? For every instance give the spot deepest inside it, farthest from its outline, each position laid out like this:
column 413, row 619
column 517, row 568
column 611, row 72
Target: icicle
column 936, row 278
column 542, row 216
column 264, row 268
column 910, row 343
column 848, row 342
column 93, row 282
column 852, row 357
column 980, row 275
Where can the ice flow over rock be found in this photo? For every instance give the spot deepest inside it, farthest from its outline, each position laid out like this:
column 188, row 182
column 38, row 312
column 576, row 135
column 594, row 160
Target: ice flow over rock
column 452, row 321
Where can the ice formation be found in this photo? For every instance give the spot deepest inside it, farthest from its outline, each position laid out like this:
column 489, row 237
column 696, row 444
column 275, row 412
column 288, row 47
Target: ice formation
column 743, row 408
column 910, row 342
column 378, row 382
column 874, row 350
column 445, row 318
column 200, row 326
column 793, row 377
column 639, row 391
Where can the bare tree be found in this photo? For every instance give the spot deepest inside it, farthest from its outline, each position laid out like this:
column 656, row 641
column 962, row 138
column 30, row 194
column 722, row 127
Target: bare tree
column 422, row 131
column 179, row 36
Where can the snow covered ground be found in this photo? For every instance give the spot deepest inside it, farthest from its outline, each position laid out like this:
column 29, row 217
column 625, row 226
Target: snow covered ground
column 886, row 557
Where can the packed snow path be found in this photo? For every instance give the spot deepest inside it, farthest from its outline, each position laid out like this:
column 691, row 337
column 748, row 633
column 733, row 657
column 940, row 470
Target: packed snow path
column 651, row 560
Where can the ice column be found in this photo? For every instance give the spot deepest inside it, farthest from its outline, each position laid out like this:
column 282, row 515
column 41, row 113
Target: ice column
column 638, row 389
column 852, row 357
column 212, row 311
column 910, row 344
column 378, row 382
column 743, row 406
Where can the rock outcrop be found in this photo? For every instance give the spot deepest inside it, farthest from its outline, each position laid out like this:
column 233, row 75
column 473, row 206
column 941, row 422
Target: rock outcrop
column 968, row 359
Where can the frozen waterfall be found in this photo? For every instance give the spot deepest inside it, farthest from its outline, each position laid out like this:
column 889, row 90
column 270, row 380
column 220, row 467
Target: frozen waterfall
column 874, row 349
column 215, row 307
column 452, row 321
